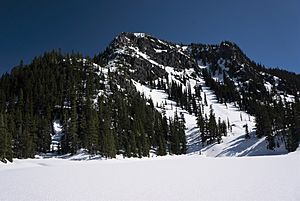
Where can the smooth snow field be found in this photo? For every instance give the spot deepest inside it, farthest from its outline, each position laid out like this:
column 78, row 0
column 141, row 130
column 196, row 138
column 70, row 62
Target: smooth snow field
column 188, row 177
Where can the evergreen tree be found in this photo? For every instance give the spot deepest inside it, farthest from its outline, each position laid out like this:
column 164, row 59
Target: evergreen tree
column 182, row 134
column 166, row 133
column 247, row 136
column 108, row 144
column 92, row 131
column 223, row 128
column 174, row 138
column 201, row 125
column 293, row 135
column 73, row 130
column 43, row 135
column 205, row 100
column 212, row 126
column 219, row 131
column 5, row 140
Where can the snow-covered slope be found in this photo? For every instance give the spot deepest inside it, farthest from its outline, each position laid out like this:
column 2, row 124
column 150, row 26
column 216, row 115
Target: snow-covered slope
column 234, row 144
column 173, row 178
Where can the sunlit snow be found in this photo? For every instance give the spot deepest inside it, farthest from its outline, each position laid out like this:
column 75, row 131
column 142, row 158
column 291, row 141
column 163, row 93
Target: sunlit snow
column 195, row 177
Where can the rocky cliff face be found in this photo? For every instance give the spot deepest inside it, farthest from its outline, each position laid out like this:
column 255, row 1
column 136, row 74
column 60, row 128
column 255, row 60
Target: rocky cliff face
column 144, row 58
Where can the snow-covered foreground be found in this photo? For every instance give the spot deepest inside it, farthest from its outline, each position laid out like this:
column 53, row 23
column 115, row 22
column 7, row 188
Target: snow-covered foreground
column 189, row 177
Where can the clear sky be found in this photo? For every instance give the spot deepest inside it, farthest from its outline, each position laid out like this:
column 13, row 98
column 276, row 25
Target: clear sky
column 268, row 31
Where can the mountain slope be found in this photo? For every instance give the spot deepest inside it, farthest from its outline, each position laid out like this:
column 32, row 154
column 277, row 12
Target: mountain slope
column 222, row 73
column 144, row 95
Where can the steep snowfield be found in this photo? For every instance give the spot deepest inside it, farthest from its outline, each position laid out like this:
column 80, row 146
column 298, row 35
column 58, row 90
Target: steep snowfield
column 193, row 177
column 234, row 144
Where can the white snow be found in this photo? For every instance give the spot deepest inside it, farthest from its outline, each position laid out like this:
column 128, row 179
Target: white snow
column 164, row 43
column 234, row 144
column 289, row 98
column 56, row 138
column 160, row 51
column 138, row 53
column 184, row 48
column 57, row 127
column 173, row 178
column 139, row 35
column 268, row 86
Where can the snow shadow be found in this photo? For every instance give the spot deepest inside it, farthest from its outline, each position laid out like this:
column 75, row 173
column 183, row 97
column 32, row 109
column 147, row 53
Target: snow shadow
column 250, row 147
column 193, row 140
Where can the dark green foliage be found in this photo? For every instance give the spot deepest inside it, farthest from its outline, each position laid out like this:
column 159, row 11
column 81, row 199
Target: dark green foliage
column 274, row 116
column 247, row 135
column 243, row 83
column 212, row 127
column 279, row 121
column 177, row 135
column 63, row 88
column 210, row 130
column 293, row 135
column 264, row 127
column 5, row 140
column 107, row 136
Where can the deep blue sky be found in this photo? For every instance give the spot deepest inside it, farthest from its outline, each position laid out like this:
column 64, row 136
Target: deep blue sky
column 267, row 30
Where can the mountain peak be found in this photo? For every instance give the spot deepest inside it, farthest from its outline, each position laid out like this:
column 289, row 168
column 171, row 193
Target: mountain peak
column 139, row 35
column 132, row 35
